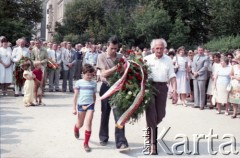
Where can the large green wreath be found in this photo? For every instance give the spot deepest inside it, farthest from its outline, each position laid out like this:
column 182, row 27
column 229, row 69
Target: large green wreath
column 126, row 95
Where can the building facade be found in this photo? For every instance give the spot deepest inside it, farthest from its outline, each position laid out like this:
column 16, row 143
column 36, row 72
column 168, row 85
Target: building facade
column 41, row 27
column 54, row 13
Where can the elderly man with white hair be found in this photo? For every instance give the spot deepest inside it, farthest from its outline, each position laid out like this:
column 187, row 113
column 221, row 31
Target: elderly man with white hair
column 162, row 71
column 17, row 54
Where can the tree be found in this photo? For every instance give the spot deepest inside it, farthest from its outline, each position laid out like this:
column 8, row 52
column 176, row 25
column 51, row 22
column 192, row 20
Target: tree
column 225, row 18
column 179, row 34
column 151, row 23
column 18, row 18
column 194, row 14
column 80, row 14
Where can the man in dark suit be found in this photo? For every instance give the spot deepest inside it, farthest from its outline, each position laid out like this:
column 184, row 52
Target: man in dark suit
column 78, row 67
column 200, row 73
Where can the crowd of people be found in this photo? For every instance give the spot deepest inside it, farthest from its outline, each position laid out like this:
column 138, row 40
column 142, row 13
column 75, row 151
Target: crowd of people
column 195, row 76
column 204, row 75
column 200, row 74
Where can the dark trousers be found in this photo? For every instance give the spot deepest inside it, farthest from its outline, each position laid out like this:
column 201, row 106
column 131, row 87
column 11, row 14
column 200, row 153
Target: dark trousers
column 68, row 75
column 78, row 70
column 104, row 128
column 156, row 111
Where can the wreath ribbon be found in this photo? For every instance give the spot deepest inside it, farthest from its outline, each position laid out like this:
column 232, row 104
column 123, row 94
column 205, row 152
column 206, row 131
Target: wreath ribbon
column 137, row 101
column 117, row 85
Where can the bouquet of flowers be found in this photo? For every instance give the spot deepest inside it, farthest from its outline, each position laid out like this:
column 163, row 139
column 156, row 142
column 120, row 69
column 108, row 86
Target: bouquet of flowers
column 131, row 90
column 52, row 64
column 18, row 72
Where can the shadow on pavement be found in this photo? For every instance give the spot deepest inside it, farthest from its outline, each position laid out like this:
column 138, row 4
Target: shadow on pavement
column 54, row 105
column 10, row 118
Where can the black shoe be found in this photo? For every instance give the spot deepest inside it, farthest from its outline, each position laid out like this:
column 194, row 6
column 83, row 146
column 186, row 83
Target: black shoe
column 58, row 90
column 50, row 90
column 16, row 95
column 71, row 91
column 103, row 143
column 210, row 107
column 196, row 106
column 64, row 91
column 32, row 104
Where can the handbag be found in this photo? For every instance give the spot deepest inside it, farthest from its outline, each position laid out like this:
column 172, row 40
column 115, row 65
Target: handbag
column 229, row 87
column 214, row 96
column 176, row 69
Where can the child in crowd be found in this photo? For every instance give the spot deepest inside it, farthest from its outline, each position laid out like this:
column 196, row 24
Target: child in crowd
column 28, row 85
column 83, row 103
column 38, row 84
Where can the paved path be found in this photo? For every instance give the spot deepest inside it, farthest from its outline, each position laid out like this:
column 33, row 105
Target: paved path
column 47, row 132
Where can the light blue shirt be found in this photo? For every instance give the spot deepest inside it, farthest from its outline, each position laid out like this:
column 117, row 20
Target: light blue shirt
column 224, row 75
column 86, row 89
column 91, row 58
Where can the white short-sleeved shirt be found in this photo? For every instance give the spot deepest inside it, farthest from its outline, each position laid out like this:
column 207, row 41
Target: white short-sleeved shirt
column 161, row 69
column 181, row 61
column 86, row 91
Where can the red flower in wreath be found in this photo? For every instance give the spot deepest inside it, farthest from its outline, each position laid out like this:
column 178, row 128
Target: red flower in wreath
column 139, row 78
column 130, row 77
column 140, row 60
column 129, row 52
column 119, row 68
column 121, row 60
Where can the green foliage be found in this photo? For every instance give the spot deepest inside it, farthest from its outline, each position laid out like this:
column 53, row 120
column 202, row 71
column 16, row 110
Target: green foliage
column 224, row 44
column 179, row 35
column 151, row 23
column 18, row 18
column 79, row 13
column 225, row 17
column 137, row 22
column 71, row 37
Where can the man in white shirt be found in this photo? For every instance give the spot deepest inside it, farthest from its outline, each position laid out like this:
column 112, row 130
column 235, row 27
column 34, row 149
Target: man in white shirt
column 91, row 56
column 162, row 71
column 55, row 57
column 17, row 54
column 49, row 49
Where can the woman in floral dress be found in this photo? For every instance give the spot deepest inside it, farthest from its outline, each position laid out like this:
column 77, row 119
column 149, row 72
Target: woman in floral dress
column 234, row 95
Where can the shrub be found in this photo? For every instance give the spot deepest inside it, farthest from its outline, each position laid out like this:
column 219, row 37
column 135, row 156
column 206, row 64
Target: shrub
column 223, row 44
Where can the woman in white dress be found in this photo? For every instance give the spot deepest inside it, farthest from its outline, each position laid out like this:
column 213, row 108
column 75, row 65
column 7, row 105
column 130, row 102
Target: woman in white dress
column 213, row 69
column 6, row 76
column 28, row 85
column 221, row 81
column 182, row 75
